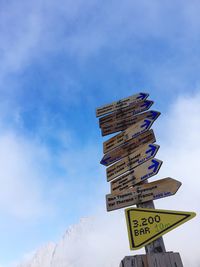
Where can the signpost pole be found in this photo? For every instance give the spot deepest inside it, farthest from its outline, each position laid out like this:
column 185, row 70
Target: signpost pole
column 158, row 245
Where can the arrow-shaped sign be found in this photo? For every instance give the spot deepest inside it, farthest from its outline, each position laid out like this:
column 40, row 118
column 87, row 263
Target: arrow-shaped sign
column 131, row 110
column 142, row 96
column 154, row 165
column 153, row 115
column 122, row 124
column 143, row 193
column 135, row 176
column 105, row 109
column 129, row 147
column 133, row 131
column 131, row 161
column 147, row 124
column 146, row 225
column 152, row 149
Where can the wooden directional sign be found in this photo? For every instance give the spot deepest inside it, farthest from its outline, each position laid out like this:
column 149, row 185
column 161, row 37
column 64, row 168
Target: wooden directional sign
column 143, row 193
column 129, row 147
column 131, row 161
column 131, row 132
column 132, row 109
column 120, row 125
column 136, row 175
column 105, row 109
column 146, row 225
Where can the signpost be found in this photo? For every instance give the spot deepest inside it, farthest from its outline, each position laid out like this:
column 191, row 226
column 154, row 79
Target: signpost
column 146, row 225
column 143, row 193
column 131, row 154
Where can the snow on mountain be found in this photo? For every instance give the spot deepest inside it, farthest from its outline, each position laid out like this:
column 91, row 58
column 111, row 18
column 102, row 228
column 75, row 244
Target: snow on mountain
column 42, row 257
column 91, row 243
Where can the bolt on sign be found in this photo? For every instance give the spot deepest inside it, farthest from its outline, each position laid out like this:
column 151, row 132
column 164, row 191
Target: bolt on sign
column 130, row 156
column 146, row 225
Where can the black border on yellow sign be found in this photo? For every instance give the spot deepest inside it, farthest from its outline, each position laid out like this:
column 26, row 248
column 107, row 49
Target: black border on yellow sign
column 160, row 233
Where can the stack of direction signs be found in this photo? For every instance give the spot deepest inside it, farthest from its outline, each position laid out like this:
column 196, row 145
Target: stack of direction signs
column 130, row 160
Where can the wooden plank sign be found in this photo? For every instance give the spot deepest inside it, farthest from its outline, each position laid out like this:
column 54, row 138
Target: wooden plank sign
column 135, row 176
column 132, row 119
column 131, row 132
column 129, row 147
column 143, row 193
column 146, row 225
column 132, row 109
column 105, row 109
column 146, row 152
column 120, row 125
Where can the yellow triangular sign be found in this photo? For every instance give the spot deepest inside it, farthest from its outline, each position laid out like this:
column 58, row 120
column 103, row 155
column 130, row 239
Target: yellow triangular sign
column 146, row 225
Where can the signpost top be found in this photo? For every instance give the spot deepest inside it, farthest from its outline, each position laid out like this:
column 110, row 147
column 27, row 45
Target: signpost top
column 105, row 109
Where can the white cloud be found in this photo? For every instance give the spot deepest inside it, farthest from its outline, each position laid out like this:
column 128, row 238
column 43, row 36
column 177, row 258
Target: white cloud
column 21, row 177
column 84, row 29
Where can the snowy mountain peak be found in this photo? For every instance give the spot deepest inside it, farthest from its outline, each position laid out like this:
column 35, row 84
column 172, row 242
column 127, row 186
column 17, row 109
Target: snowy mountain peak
column 41, row 258
column 91, row 240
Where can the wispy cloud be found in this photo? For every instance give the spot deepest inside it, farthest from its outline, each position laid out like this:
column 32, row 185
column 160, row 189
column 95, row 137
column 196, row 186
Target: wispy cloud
column 22, row 180
column 84, row 33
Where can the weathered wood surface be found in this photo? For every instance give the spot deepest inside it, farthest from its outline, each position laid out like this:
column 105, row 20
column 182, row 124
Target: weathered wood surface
column 131, row 132
column 166, row 259
column 143, row 193
column 105, row 109
column 129, row 147
column 146, row 152
column 122, row 124
column 136, row 175
column 132, row 109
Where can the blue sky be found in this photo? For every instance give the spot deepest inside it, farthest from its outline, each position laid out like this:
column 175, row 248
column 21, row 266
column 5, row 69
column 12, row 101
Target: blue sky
column 59, row 61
